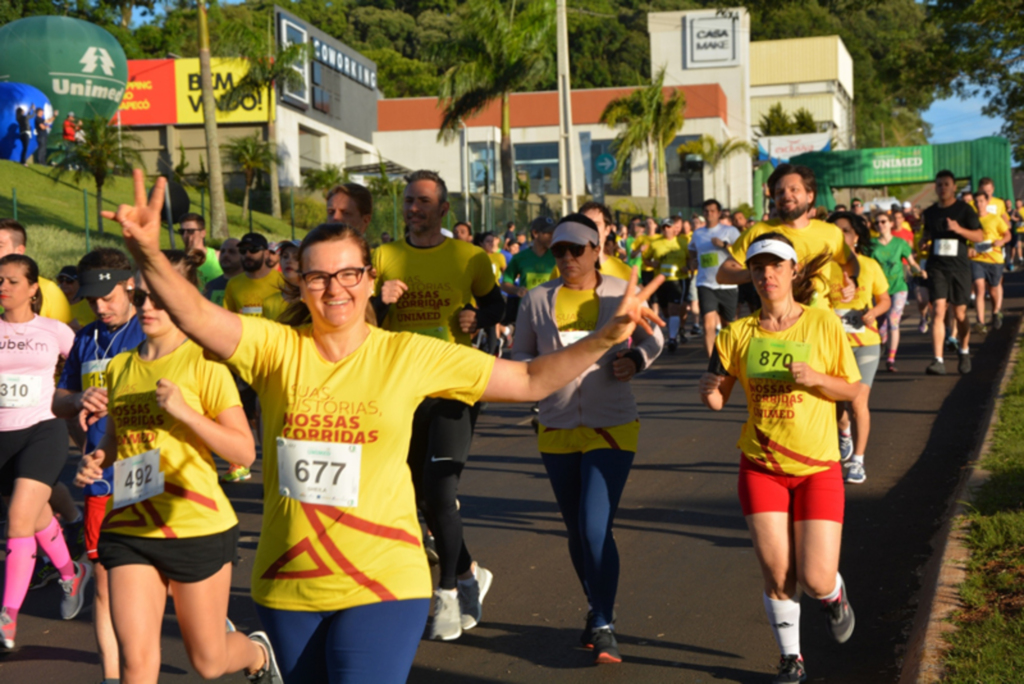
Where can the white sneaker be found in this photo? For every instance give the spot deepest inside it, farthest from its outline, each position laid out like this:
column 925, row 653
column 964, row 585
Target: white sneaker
column 471, row 597
column 855, row 472
column 445, row 623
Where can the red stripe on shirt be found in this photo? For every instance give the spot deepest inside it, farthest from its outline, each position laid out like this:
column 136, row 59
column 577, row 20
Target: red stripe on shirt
column 768, row 443
column 158, row 520
column 198, row 498
column 305, row 546
column 344, row 563
column 357, row 523
column 608, row 438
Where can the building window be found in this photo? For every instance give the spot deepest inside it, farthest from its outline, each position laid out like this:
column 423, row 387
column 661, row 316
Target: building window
column 321, row 97
column 540, row 163
column 310, row 149
column 294, row 34
column 482, row 167
column 603, row 181
column 685, row 179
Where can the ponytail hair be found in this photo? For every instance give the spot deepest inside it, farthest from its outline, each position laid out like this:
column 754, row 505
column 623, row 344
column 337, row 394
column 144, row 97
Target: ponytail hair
column 860, row 227
column 804, row 283
column 297, row 312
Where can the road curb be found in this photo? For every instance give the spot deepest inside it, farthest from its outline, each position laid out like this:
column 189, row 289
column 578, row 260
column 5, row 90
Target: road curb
column 946, row 570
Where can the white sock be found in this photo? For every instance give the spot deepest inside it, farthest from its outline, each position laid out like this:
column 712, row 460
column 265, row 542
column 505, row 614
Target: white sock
column 966, row 350
column 673, row 326
column 784, row 617
column 835, row 592
column 939, row 359
column 845, row 433
column 451, row 592
column 859, row 458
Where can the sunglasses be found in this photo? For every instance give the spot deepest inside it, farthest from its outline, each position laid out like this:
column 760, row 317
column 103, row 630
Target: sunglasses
column 184, row 232
column 66, row 280
column 561, row 249
column 250, row 250
column 139, row 298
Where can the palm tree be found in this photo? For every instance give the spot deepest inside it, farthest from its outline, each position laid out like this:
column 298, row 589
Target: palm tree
column 101, row 153
column 251, row 155
column 714, row 153
column 269, row 66
column 495, row 51
column 324, row 179
column 650, row 124
column 218, row 210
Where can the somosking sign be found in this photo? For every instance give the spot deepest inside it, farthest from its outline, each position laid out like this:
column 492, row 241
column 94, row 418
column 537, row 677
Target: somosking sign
column 80, row 67
column 168, row 91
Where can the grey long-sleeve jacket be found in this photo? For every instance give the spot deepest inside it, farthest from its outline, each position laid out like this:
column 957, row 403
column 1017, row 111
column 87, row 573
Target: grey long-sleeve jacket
column 595, row 399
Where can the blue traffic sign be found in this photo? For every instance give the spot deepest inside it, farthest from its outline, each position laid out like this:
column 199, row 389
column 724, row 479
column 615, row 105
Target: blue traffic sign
column 605, row 163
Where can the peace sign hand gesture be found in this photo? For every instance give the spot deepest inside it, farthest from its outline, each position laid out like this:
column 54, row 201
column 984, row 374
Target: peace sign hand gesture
column 632, row 312
column 140, row 224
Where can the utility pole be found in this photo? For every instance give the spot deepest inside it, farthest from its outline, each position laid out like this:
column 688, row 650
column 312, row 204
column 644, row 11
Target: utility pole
column 566, row 168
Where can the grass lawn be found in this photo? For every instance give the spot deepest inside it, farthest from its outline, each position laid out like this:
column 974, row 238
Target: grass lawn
column 53, row 214
column 988, row 646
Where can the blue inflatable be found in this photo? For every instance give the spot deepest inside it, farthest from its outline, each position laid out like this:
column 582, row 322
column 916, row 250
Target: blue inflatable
column 13, row 96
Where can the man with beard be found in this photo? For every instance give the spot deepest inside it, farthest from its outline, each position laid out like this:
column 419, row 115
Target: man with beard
column 794, row 189
column 230, row 265
column 245, row 292
column 451, row 293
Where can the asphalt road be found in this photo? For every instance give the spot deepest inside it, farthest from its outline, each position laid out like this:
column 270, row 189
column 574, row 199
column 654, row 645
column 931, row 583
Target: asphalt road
column 689, row 602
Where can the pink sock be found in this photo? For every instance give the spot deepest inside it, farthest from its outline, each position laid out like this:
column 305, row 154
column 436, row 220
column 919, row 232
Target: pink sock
column 51, row 541
column 21, row 560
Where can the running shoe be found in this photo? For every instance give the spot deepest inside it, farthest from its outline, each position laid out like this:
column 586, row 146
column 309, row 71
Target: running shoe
column 696, row 330
column 74, row 590
column 936, row 368
column 230, row 626
column 980, row 328
column 791, row 669
column 471, row 597
column 840, row 616
column 606, row 648
column 890, row 366
column 672, row 346
column 7, row 629
column 855, row 472
column 997, row 320
column 430, row 547
column 44, row 573
column 965, row 364
column 951, row 343
column 270, row 673
column 845, row 447
column 236, row 473
column 923, row 328
column 445, row 623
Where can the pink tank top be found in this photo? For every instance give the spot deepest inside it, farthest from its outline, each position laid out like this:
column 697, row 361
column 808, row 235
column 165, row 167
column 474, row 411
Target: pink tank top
column 28, row 360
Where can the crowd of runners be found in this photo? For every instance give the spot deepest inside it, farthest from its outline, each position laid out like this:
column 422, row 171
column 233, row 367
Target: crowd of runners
column 357, row 374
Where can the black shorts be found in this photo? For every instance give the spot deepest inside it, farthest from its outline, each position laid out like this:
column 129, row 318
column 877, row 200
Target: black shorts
column 190, row 559
column 748, row 295
column 721, row 301
column 951, row 284
column 670, row 292
column 646, row 277
column 990, row 273
column 35, row 453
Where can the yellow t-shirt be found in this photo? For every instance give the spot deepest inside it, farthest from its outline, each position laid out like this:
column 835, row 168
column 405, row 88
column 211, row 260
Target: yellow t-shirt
column 318, row 557
column 646, row 240
column 498, row 263
column 274, row 306
column 612, row 266
column 193, row 503
column 871, row 282
column 995, row 229
column 245, row 295
column 82, row 312
column 55, row 304
column 672, row 256
column 583, row 439
column 576, row 309
column 442, row 280
column 791, row 430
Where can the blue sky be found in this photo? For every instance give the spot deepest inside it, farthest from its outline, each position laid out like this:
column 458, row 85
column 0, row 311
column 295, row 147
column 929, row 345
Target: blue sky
column 954, row 119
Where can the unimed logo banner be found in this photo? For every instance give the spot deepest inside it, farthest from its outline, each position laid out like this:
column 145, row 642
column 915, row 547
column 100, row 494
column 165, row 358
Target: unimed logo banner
column 892, row 165
column 167, row 91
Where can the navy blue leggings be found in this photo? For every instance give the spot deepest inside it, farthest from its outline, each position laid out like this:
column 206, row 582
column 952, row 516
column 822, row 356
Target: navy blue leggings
column 371, row 644
column 588, row 488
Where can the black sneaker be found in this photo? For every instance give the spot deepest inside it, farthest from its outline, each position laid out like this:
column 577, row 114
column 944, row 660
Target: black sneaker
column 606, row 648
column 791, row 669
column 586, row 638
column 270, row 674
column 430, row 546
column 937, row 368
column 997, row 320
column 840, row 616
column 965, row 364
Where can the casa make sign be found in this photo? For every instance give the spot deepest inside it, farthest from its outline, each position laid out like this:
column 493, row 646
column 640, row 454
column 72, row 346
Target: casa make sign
column 163, row 92
column 711, row 39
column 893, row 165
column 782, row 148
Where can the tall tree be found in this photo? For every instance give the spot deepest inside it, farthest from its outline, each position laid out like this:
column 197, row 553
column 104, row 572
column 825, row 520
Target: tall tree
column 269, row 67
column 253, row 156
column 103, row 152
column 777, row 121
column 218, row 210
column 713, row 153
column 649, row 123
column 497, row 49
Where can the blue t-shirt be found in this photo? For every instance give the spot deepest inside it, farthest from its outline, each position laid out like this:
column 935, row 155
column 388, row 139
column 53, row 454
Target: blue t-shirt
column 94, row 346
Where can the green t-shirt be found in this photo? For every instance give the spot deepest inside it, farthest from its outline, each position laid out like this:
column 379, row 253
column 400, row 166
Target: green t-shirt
column 531, row 270
column 890, row 257
column 210, row 270
column 639, row 260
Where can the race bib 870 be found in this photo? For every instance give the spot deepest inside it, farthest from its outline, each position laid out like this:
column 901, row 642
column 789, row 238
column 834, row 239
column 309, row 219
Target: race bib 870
column 768, row 358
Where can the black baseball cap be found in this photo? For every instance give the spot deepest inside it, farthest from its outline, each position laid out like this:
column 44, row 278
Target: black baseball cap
column 68, row 272
column 543, row 224
column 101, row 281
column 254, row 240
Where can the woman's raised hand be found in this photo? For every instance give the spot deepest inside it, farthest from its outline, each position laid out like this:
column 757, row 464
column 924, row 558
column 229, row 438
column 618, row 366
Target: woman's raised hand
column 632, row 312
column 140, row 224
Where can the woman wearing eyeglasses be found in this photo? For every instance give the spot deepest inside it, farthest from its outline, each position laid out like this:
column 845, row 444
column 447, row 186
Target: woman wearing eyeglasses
column 170, row 525
column 589, row 429
column 340, row 578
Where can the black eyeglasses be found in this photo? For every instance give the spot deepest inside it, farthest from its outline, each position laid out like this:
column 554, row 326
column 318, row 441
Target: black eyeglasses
column 559, row 251
column 66, row 280
column 347, row 277
column 139, row 298
column 184, row 232
column 249, row 250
